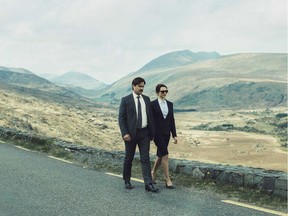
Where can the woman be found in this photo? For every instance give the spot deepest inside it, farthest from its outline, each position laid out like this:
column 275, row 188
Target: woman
column 164, row 127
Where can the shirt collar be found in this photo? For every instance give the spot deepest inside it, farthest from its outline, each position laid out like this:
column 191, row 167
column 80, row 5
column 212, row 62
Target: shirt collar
column 135, row 95
column 161, row 101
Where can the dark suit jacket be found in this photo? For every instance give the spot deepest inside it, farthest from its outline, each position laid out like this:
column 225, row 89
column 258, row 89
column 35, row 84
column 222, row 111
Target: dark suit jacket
column 128, row 116
column 163, row 126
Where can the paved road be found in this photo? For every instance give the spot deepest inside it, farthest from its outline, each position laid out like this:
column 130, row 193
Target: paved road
column 31, row 183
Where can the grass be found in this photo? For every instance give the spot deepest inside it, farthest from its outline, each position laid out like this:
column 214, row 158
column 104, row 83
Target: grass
column 267, row 123
column 43, row 145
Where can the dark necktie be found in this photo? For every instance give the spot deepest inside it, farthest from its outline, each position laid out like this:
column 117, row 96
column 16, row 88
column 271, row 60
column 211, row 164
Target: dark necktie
column 139, row 121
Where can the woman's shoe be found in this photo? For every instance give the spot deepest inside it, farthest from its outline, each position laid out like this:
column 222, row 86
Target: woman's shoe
column 169, row 186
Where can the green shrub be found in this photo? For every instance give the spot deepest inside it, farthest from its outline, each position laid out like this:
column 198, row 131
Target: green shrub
column 281, row 115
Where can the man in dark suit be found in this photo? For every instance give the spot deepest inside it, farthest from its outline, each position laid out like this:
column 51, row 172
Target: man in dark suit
column 164, row 126
column 137, row 128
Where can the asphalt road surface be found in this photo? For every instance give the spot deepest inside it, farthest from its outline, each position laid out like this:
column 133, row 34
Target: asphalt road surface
column 32, row 183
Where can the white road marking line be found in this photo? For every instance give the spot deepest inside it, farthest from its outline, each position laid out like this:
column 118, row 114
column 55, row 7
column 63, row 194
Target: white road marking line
column 134, row 179
column 60, row 159
column 20, row 147
column 254, row 207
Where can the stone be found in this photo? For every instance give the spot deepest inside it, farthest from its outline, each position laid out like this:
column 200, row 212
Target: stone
column 196, row 173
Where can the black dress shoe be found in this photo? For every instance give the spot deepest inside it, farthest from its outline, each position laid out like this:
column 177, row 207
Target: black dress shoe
column 151, row 188
column 128, row 185
column 169, row 186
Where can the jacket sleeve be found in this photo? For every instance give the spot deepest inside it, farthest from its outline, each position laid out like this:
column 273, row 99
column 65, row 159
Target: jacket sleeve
column 151, row 124
column 122, row 117
column 172, row 123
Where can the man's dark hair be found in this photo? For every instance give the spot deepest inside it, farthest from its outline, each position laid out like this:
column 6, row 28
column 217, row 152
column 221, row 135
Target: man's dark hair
column 137, row 81
column 158, row 87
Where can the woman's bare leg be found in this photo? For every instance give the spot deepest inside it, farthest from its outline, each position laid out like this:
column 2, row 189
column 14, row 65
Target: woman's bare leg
column 157, row 164
column 165, row 165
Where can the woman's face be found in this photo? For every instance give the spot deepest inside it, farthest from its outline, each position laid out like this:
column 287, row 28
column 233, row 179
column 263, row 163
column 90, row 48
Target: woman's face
column 162, row 93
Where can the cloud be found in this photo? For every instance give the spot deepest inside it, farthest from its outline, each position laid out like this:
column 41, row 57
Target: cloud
column 108, row 39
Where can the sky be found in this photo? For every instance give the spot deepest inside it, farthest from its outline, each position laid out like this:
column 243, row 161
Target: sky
column 108, row 39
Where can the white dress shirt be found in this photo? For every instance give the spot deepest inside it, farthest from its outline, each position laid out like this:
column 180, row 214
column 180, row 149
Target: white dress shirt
column 164, row 107
column 143, row 109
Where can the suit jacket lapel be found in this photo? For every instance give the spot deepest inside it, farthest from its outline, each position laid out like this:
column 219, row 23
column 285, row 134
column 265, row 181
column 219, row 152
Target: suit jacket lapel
column 159, row 108
column 146, row 104
column 131, row 98
column 169, row 108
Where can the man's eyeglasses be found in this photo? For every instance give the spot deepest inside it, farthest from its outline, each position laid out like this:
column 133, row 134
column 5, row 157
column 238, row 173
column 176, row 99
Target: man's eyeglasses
column 164, row 91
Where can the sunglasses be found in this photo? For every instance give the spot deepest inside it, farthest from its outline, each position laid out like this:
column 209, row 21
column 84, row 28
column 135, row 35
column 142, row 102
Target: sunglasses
column 164, row 91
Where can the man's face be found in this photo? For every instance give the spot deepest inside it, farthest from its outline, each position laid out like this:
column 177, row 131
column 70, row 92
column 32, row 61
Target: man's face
column 138, row 89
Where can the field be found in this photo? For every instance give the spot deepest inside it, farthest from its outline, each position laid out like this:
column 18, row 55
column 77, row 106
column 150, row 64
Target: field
column 226, row 145
column 254, row 138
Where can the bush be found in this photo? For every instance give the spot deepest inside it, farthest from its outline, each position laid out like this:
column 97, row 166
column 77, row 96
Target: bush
column 282, row 125
column 281, row 115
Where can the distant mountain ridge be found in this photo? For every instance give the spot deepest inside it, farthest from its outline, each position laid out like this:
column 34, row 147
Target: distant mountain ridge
column 38, row 87
column 211, row 82
column 23, row 79
column 75, row 82
column 177, row 59
column 77, row 79
column 79, row 83
column 238, row 81
column 16, row 70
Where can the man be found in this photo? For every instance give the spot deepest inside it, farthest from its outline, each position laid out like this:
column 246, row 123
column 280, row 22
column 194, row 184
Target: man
column 137, row 128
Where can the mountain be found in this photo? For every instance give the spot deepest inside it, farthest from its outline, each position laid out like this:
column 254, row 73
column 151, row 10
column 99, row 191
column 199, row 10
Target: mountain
column 31, row 85
column 27, row 78
column 76, row 79
column 47, row 76
column 17, row 70
column 79, row 83
column 238, row 81
column 177, row 59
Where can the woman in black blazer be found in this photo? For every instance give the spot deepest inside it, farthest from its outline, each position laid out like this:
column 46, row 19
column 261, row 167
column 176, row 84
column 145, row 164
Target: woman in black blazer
column 164, row 126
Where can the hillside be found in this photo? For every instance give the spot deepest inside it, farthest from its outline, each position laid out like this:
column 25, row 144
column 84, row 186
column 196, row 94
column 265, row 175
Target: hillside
column 28, row 84
column 236, row 81
column 23, row 79
column 17, row 70
column 177, row 59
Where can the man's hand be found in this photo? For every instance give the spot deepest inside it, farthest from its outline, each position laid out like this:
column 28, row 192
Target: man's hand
column 175, row 140
column 127, row 138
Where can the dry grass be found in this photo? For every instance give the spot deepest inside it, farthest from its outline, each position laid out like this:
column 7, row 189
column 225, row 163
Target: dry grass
column 230, row 147
column 99, row 128
column 87, row 127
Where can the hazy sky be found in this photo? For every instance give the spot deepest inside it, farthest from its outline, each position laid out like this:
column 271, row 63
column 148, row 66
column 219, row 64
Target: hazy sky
column 108, row 39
